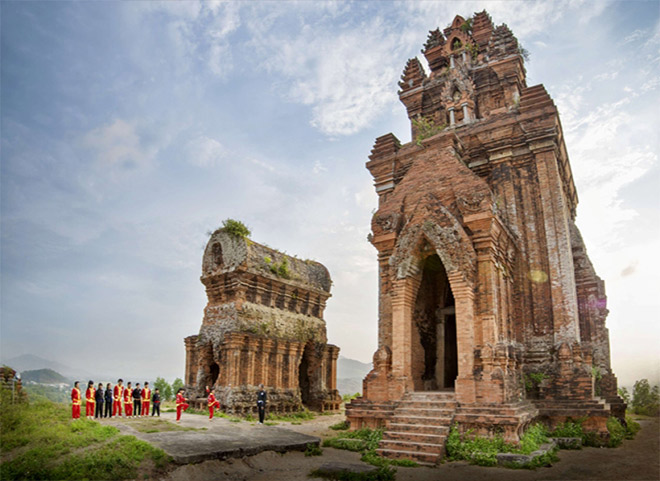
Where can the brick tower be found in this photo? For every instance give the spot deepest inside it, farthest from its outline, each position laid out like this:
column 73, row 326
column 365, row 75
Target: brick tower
column 263, row 324
column 490, row 312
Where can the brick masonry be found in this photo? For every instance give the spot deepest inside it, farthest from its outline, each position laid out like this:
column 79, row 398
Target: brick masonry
column 486, row 289
column 263, row 324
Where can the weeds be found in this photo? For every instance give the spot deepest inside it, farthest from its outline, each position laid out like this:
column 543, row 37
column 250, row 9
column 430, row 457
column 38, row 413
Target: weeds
column 313, row 450
column 55, row 447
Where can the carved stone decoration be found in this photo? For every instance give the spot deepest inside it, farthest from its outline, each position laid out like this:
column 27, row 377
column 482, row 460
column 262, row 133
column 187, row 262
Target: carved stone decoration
column 263, row 324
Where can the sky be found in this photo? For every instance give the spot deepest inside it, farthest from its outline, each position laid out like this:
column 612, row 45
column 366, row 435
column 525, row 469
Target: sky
column 129, row 130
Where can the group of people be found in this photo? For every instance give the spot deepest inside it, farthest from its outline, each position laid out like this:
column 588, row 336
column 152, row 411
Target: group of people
column 135, row 401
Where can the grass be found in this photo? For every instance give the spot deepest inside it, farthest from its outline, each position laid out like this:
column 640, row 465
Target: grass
column 384, row 473
column 483, row 451
column 40, row 441
column 304, row 415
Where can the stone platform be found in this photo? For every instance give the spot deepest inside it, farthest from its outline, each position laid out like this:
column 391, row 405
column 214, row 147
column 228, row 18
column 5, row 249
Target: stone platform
column 222, row 439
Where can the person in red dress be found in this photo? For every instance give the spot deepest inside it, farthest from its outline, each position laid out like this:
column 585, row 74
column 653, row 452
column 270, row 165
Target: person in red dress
column 146, row 399
column 116, row 397
column 213, row 403
column 181, row 404
column 91, row 401
column 128, row 401
column 75, row 401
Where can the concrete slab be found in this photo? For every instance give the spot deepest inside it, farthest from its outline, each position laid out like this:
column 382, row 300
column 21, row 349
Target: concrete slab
column 222, row 439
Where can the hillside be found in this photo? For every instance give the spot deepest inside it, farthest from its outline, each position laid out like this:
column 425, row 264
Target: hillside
column 44, row 376
column 350, row 374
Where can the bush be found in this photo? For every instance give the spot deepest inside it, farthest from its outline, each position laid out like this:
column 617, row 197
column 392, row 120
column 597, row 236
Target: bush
column 235, row 228
column 645, row 399
column 342, row 426
column 313, row 450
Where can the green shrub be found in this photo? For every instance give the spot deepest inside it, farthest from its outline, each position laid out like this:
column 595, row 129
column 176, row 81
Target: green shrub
column 632, row 428
column 568, row 429
column 235, row 228
column 313, row 450
column 341, row 426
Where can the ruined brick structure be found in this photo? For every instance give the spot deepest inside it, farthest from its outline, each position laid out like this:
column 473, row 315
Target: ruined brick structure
column 490, row 312
column 263, row 324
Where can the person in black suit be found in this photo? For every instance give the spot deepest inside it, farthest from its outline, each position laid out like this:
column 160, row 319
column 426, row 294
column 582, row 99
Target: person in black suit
column 261, row 403
column 137, row 400
column 108, row 396
column 98, row 397
column 155, row 399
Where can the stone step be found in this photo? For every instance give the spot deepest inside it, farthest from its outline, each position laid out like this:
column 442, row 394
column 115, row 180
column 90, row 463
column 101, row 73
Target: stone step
column 430, row 404
column 431, row 395
column 418, row 428
column 427, row 459
column 423, row 420
column 435, row 439
column 424, row 412
column 410, row 446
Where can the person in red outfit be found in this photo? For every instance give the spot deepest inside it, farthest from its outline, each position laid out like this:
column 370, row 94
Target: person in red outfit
column 91, row 401
column 116, row 397
column 181, row 404
column 128, row 401
column 213, row 403
column 75, row 401
column 146, row 399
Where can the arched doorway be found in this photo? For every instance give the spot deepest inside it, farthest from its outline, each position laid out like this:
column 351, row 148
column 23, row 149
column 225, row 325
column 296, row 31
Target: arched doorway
column 434, row 350
column 214, row 372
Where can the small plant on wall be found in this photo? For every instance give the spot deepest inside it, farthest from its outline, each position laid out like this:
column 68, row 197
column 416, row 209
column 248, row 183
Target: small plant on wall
column 235, row 228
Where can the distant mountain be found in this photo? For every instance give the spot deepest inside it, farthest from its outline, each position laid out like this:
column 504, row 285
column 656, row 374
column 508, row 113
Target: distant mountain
column 44, row 376
column 30, row 362
column 350, row 374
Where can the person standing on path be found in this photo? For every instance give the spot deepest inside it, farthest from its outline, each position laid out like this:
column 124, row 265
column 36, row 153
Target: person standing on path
column 137, row 400
column 98, row 397
column 181, row 404
column 118, row 393
column 146, row 399
column 128, row 402
column 156, row 400
column 108, row 401
column 261, row 403
column 212, row 403
column 90, row 400
column 76, row 401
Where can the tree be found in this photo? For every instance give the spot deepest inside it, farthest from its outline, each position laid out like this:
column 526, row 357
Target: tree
column 176, row 385
column 624, row 394
column 165, row 389
column 645, row 399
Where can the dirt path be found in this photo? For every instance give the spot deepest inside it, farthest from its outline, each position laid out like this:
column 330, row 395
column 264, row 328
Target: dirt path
column 637, row 460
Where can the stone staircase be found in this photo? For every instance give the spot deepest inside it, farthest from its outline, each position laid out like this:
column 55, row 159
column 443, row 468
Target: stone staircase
column 419, row 427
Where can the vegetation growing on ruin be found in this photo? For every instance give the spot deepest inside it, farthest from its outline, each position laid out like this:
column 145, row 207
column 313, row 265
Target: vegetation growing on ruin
column 466, row 27
column 426, row 128
column 236, row 228
column 483, row 451
column 280, row 269
column 533, row 380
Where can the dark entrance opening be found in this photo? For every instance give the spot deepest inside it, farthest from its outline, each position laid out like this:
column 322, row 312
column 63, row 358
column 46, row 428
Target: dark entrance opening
column 215, row 371
column 434, row 350
column 303, row 376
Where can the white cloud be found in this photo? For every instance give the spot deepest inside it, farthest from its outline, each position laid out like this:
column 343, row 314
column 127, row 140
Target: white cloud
column 117, row 145
column 205, row 152
column 348, row 77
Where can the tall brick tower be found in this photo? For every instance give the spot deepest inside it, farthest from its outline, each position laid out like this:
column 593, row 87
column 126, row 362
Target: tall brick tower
column 490, row 312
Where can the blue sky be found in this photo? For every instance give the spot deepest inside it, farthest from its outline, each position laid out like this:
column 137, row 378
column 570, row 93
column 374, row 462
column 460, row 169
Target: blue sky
column 130, row 129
